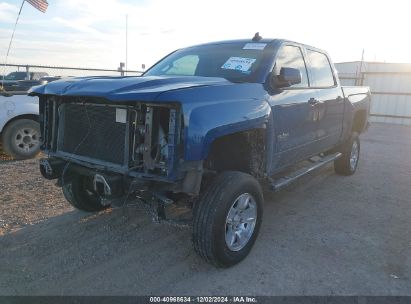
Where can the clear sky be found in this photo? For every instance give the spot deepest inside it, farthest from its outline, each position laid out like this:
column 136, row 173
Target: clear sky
column 91, row 33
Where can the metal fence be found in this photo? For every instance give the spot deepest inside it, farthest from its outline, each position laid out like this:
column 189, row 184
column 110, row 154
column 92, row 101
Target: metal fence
column 390, row 85
column 65, row 71
column 55, row 72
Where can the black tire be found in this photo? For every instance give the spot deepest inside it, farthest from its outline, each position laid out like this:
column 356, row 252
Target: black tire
column 21, row 139
column 210, row 215
column 343, row 165
column 79, row 192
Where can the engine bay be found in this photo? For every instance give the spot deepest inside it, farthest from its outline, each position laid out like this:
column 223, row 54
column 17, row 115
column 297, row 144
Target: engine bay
column 140, row 138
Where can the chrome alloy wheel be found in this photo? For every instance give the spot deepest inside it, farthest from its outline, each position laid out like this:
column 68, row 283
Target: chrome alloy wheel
column 355, row 151
column 240, row 222
column 27, row 140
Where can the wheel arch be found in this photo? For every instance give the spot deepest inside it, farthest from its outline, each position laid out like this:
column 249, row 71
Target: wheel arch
column 359, row 121
column 243, row 151
column 33, row 117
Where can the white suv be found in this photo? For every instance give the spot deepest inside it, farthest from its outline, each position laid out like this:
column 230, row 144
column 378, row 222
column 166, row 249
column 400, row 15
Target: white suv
column 19, row 126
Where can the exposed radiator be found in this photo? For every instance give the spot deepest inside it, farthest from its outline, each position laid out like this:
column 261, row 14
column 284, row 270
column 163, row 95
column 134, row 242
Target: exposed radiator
column 92, row 131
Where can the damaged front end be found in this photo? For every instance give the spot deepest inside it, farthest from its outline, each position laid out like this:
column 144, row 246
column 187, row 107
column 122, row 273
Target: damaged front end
column 130, row 149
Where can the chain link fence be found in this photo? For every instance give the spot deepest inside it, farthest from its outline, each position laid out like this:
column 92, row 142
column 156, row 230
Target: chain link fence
column 30, row 75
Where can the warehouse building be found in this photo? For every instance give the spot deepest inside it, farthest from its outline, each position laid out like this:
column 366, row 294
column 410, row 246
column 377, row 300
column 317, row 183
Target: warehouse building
column 390, row 84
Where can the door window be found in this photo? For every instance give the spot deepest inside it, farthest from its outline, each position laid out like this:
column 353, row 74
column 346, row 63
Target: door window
column 291, row 57
column 320, row 70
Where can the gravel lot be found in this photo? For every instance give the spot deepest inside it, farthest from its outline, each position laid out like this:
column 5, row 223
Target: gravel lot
column 324, row 235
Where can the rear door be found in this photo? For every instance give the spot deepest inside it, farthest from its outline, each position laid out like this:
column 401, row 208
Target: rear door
column 330, row 101
column 295, row 125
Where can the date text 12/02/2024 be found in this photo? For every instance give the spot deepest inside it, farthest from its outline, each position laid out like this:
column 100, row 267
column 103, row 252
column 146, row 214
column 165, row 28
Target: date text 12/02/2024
column 240, row 299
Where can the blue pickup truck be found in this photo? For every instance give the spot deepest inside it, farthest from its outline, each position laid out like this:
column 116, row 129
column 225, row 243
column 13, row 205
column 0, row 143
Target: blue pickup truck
column 197, row 137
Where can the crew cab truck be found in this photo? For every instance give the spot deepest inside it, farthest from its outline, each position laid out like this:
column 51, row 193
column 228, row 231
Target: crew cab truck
column 19, row 124
column 21, row 81
column 204, row 129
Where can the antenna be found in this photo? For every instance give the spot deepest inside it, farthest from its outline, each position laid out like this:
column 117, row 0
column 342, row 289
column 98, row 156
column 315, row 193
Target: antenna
column 257, row 37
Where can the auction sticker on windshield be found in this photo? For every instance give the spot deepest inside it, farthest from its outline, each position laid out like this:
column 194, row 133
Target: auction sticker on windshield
column 254, row 46
column 238, row 63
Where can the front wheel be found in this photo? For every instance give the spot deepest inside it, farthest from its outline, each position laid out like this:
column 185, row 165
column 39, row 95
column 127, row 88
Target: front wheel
column 78, row 191
column 227, row 219
column 347, row 164
column 21, row 139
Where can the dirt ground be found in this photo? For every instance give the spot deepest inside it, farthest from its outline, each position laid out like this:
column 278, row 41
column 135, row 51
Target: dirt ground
column 26, row 197
column 324, row 235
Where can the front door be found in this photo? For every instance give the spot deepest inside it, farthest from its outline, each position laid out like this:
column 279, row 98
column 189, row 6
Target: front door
column 294, row 117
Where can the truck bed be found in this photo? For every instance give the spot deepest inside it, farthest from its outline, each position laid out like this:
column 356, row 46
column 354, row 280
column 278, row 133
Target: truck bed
column 350, row 91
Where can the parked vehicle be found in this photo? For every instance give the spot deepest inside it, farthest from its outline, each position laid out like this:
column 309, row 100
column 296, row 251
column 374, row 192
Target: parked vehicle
column 25, row 85
column 48, row 79
column 19, row 125
column 17, row 81
column 205, row 128
column 15, row 76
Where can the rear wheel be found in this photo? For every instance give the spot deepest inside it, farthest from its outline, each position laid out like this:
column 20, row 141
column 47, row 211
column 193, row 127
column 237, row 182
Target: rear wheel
column 78, row 191
column 347, row 164
column 227, row 219
column 21, row 139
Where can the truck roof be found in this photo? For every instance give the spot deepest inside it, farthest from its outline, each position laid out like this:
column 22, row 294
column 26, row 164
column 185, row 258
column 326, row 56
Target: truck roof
column 264, row 40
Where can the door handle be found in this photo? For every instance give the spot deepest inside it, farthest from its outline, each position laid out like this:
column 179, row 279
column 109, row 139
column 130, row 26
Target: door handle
column 312, row 101
column 340, row 99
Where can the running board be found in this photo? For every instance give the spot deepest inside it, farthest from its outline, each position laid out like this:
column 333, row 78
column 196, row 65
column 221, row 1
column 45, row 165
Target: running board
column 284, row 181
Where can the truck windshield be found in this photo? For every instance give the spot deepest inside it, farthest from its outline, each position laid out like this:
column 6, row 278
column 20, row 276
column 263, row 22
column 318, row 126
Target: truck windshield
column 16, row 76
column 237, row 62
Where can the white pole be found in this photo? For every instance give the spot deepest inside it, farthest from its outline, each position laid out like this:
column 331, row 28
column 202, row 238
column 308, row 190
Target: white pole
column 126, row 41
column 11, row 40
column 361, row 64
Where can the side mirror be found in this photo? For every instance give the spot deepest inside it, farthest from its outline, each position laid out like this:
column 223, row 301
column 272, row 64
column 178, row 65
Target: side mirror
column 288, row 77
